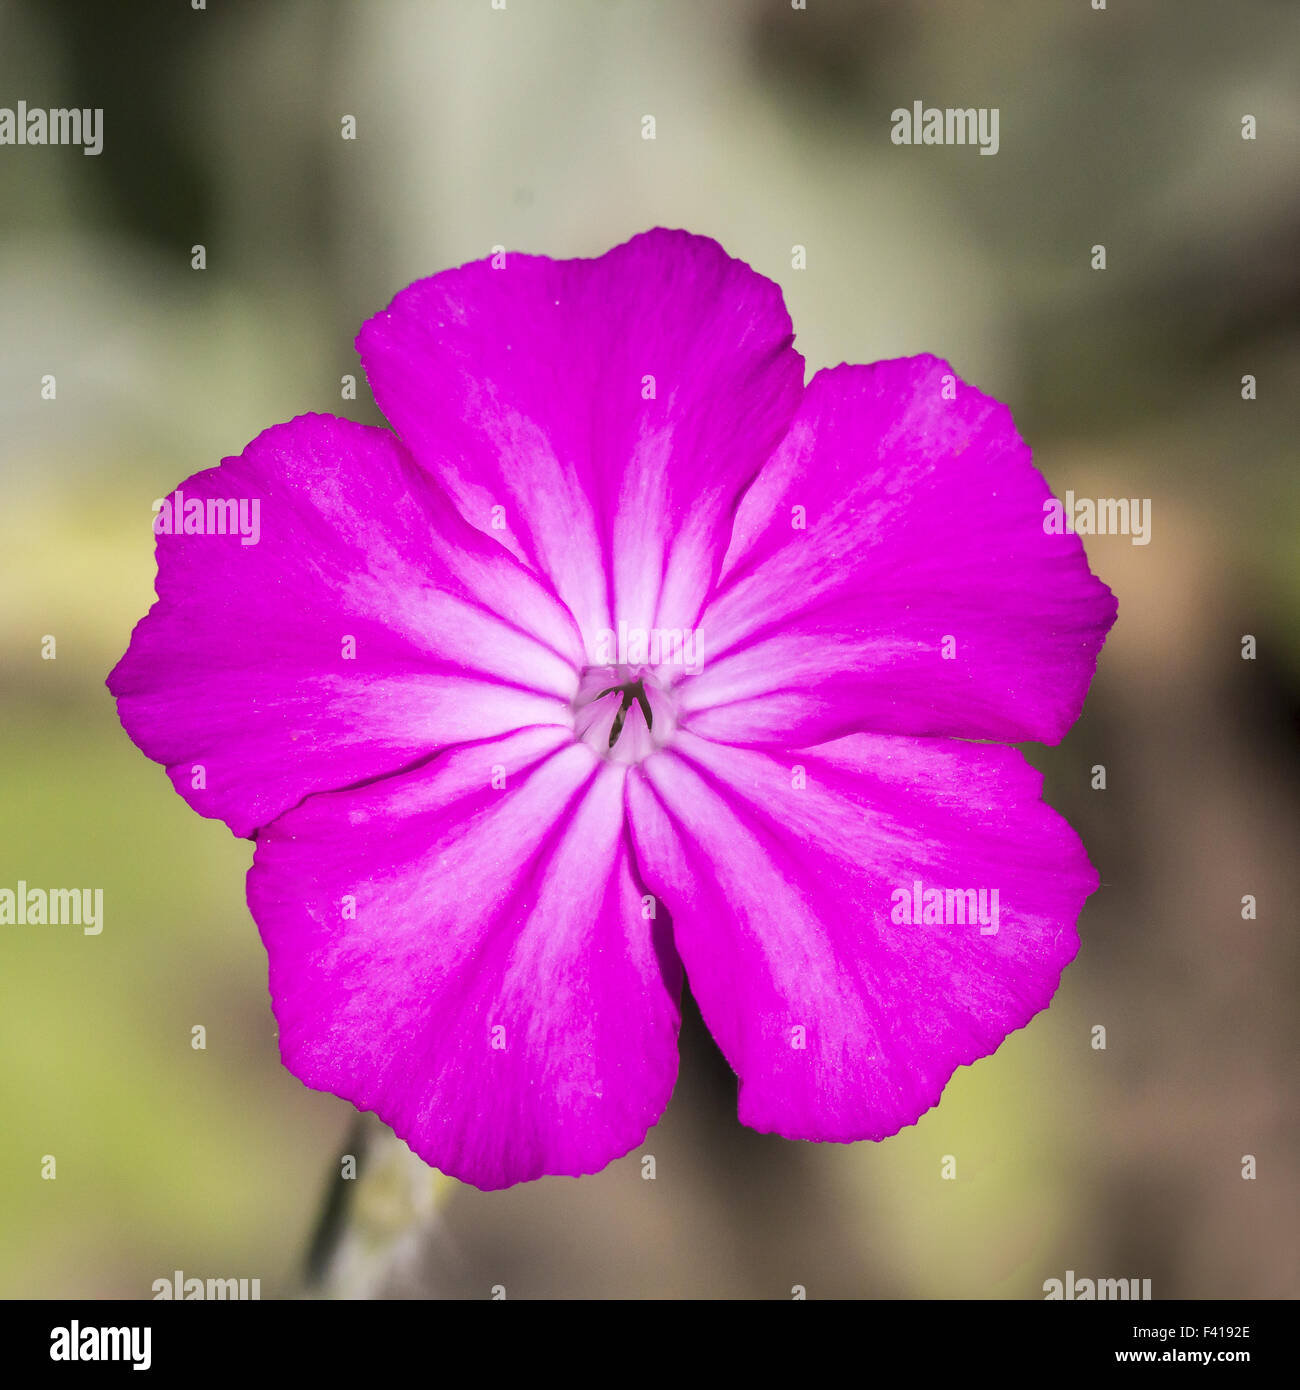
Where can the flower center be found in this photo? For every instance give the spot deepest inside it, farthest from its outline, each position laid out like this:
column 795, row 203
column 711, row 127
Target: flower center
column 622, row 712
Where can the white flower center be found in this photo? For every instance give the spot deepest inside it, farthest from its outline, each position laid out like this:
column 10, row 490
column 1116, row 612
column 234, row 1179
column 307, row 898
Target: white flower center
column 623, row 712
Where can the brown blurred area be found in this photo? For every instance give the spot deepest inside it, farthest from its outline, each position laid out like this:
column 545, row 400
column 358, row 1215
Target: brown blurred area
column 523, row 127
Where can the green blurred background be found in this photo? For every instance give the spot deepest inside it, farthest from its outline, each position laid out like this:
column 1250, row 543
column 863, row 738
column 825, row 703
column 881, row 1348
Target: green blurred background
column 523, row 127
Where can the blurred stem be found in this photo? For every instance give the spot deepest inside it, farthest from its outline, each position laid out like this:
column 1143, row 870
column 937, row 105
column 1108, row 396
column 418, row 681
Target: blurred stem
column 379, row 1232
column 331, row 1220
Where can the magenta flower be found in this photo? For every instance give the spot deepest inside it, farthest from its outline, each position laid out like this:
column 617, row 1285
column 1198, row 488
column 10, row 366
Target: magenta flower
column 628, row 652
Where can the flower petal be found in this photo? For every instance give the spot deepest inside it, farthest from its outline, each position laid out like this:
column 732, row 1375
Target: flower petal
column 923, row 596
column 473, row 962
column 367, row 626
column 784, row 907
column 525, row 389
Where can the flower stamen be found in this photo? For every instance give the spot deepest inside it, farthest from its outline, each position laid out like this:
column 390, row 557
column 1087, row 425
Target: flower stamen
column 622, row 712
column 632, row 691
